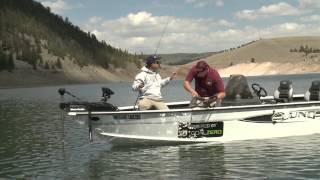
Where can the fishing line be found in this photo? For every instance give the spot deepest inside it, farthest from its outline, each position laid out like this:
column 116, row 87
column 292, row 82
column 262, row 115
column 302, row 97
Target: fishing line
column 162, row 34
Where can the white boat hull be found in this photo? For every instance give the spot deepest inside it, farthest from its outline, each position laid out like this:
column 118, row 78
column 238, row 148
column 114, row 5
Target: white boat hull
column 240, row 116
column 162, row 127
column 234, row 131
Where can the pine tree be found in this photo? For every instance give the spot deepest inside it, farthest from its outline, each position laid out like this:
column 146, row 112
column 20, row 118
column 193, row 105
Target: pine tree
column 46, row 65
column 11, row 65
column 59, row 64
column 3, row 60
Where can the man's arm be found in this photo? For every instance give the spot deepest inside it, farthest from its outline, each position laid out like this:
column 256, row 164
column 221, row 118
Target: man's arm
column 165, row 81
column 188, row 87
column 138, row 83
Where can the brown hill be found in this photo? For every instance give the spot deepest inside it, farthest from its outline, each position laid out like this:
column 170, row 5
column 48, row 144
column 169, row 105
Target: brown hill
column 288, row 55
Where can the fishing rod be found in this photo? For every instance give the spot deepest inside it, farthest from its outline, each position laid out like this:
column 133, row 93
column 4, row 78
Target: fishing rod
column 155, row 53
column 162, row 34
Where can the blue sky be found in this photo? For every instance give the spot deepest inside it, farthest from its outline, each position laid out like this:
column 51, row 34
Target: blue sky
column 190, row 25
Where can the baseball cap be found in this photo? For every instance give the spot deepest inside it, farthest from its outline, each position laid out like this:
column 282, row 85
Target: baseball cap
column 153, row 59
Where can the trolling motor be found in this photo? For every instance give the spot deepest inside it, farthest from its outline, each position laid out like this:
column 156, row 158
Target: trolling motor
column 61, row 91
column 89, row 107
column 106, row 94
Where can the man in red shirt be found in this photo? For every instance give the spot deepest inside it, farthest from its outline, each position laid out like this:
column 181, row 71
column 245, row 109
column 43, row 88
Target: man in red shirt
column 207, row 81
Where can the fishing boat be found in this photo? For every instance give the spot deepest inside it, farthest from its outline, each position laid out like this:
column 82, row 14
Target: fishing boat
column 245, row 113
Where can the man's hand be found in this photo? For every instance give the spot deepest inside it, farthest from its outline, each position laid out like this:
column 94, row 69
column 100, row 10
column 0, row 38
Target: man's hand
column 194, row 94
column 221, row 95
column 173, row 75
column 141, row 85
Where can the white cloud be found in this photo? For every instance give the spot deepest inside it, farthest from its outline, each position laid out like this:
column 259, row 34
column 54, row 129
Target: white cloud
column 280, row 9
column 312, row 18
column 204, row 3
column 309, row 4
column 290, row 27
column 95, row 20
column 219, row 3
column 140, row 32
column 59, row 6
column 140, row 18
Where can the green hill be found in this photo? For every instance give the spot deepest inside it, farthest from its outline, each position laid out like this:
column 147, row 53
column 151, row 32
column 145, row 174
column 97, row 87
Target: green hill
column 30, row 33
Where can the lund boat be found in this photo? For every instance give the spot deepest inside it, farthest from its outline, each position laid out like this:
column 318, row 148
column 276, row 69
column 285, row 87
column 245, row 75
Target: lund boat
column 244, row 114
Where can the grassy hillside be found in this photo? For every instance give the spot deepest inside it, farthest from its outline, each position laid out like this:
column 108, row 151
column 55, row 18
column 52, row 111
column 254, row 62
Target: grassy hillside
column 183, row 58
column 281, row 50
column 287, row 55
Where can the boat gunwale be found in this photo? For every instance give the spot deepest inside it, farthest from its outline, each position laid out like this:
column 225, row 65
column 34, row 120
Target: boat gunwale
column 188, row 110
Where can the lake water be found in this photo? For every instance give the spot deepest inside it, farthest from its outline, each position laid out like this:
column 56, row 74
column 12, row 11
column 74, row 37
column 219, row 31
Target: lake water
column 35, row 143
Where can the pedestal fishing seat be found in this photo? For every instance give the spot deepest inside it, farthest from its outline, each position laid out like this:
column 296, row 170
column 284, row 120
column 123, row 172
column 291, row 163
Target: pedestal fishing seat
column 313, row 94
column 284, row 93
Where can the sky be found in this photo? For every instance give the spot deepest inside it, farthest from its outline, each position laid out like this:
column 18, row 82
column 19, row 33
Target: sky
column 189, row 26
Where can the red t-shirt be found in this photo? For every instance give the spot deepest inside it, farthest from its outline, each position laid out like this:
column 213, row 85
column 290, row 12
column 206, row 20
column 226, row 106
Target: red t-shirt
column 206, row 86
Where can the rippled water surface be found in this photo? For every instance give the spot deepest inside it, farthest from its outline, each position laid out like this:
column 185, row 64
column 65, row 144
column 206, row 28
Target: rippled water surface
column 37, row 143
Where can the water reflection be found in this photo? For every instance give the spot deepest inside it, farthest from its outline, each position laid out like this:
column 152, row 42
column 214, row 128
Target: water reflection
column 30, row 144
column 202, row 162
column 165, row 162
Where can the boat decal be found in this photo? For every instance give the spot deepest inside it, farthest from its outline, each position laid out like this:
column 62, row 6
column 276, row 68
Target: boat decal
column 199, row 130
column 281, row 116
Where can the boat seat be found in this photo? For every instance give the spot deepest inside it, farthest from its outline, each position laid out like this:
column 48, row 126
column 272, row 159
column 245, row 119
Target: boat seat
column 313, row 94
column 284, row 93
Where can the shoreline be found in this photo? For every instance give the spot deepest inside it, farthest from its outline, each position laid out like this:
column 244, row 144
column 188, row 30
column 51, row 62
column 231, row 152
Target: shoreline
column 37, row 85
column 18, row 78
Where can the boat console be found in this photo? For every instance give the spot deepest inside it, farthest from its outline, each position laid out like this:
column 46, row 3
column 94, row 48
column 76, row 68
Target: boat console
column 238, row 92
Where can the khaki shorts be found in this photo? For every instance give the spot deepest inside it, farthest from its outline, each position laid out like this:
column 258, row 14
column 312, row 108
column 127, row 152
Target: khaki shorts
column 145, row 104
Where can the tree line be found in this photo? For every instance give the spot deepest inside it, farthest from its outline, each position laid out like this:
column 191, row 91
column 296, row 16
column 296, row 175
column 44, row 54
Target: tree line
column 306, row 50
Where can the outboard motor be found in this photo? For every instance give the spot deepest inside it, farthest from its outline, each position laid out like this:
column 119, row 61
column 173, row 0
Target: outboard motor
column 313, row 94
column 284, row 93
